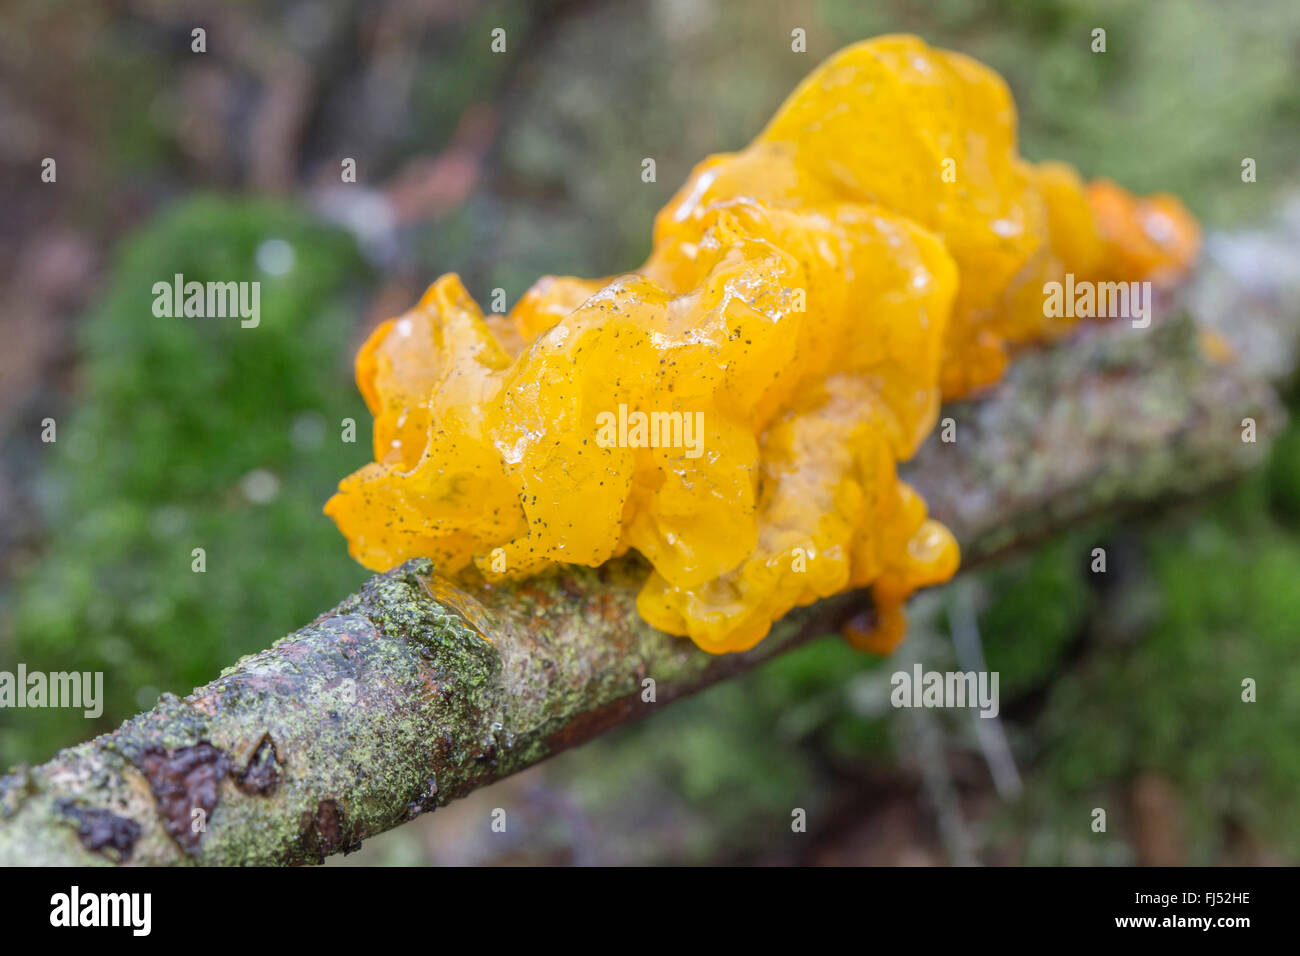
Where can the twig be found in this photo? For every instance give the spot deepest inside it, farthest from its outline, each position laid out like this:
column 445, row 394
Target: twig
column 410, row 693
column 964, row 626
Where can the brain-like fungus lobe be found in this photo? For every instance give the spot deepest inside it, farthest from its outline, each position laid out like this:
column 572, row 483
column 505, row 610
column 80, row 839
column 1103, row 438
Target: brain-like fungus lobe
column 735, row 410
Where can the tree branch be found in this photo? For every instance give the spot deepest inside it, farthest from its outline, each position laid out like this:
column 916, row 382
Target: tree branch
column 412, row 692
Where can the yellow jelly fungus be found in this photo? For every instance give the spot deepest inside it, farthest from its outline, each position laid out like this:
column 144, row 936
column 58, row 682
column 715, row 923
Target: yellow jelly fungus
column 736, row 409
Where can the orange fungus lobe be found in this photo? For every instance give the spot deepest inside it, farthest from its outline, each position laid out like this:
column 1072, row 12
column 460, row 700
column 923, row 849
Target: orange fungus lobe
column 736, row 409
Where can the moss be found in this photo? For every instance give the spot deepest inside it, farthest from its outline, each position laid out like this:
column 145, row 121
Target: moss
column 1169, row 701
column 173, row 414
column 1037, row 605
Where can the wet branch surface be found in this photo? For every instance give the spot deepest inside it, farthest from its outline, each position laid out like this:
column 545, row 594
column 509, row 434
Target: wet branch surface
column 413, row 692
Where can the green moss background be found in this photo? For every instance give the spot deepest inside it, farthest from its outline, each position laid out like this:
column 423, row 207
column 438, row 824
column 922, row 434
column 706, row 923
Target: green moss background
column 193, row 434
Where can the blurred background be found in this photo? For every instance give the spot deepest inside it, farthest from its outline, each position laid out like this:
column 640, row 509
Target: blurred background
column 502, row 167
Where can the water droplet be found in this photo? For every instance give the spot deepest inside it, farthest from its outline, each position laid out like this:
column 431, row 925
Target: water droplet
column 275, row 257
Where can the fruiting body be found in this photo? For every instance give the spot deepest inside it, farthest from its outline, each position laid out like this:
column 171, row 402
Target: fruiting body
column 807, row 304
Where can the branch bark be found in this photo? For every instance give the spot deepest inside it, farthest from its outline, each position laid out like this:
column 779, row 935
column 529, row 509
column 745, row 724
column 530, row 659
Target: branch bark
column 413, row 692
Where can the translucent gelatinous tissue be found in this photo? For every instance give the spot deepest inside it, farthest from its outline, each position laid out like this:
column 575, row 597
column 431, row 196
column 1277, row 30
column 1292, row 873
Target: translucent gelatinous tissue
column 735, row 410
